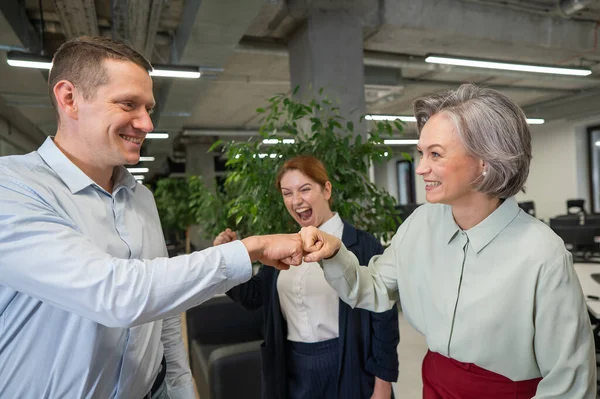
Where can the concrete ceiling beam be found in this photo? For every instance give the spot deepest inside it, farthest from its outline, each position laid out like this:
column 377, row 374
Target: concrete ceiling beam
column 584, row 103
column 136, row 22
column 206, row 35
column 369, row 11
column 402, row 61
column 153, row 23
column 78, row 17
column 450, row 20
column 16, row 15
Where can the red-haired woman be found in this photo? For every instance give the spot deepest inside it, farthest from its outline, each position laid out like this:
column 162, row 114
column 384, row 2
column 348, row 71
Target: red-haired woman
column 315, row 345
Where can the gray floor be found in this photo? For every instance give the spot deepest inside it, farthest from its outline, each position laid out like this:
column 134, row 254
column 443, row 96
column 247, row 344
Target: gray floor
column 411, row 350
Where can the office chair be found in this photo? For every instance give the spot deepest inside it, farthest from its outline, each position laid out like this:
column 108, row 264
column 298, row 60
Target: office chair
column 575, row 206
column 528, row 207
column 406, row 210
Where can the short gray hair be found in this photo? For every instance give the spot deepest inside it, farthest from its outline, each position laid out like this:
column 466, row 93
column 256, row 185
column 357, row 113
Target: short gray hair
column 492, row 128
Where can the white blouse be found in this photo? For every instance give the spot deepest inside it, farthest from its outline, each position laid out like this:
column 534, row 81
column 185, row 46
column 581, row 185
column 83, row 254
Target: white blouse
column 309, row 305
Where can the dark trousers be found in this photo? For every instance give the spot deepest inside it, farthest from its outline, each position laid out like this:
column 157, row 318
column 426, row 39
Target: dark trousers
column 445, row 378
column 312, row 369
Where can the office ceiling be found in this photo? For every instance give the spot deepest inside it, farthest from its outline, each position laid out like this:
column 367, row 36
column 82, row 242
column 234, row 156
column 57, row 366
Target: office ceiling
column 245, row 41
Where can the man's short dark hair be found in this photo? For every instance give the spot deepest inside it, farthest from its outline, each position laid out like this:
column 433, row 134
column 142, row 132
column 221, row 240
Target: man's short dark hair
column 81, row 62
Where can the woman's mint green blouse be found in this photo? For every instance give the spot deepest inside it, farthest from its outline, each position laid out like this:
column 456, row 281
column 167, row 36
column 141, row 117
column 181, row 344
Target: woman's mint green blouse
column 503, row 295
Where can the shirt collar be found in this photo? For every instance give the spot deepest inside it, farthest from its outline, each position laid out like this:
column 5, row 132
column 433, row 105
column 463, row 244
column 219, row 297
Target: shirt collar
column 333, row 225
column 449, row 226
column 122, row 178
column 482, row 234
column 74, row 177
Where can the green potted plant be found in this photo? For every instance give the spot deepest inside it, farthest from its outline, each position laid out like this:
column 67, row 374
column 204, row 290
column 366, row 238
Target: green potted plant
column 249, row 203
column 182, row 203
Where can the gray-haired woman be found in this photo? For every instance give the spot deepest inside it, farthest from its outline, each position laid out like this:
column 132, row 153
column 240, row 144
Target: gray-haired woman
column 492, row 288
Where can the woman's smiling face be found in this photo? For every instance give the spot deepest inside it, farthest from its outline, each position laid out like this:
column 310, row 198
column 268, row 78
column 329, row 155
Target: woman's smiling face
column 447, row 169
column 306, row 200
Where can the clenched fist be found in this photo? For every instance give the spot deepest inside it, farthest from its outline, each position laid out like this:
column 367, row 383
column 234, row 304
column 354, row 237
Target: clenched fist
column 318, row 245
column 277, row 250
column 225, row 237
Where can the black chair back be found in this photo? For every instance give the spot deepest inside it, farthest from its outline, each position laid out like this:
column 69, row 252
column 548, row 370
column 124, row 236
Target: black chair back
column 528, row 207
column 575, row 206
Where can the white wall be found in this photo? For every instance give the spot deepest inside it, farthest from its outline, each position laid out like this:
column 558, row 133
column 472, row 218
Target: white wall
column 553, row 172
column 559, row 168
column 386, row 175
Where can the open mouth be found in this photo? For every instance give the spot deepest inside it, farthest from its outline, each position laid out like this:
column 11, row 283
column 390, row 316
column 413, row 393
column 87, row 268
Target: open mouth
column 304, row 213
column 433, row 184
column 131, row 139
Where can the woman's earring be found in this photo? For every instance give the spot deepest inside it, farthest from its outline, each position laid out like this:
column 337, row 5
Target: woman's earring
column 484, row 173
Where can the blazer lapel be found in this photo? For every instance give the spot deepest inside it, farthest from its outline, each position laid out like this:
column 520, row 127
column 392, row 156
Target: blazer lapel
column 349, row 240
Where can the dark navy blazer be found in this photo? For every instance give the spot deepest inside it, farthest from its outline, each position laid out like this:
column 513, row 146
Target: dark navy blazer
column 368, row 341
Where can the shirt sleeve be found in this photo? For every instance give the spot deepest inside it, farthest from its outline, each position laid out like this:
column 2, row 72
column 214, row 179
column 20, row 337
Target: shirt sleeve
column 45, row 256
column 375, row 287
column 563, row 343
column 179, row 375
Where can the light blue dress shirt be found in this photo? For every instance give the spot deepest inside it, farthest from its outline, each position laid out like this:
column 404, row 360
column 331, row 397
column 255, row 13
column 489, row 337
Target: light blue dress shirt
column 503, row 295
column 85, row 282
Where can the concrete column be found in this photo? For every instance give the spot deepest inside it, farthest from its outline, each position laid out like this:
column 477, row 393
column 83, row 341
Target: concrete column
column 327, row 53
column 200, row 163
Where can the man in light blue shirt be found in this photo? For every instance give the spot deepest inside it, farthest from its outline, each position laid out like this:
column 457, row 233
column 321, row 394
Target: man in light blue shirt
column 89, row 301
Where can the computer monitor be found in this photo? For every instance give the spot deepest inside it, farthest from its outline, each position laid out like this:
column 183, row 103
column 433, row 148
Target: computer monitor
column 579, row 238
column 564, row 221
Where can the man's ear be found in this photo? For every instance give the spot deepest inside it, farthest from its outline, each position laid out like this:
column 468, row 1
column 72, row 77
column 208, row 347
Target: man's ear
column 64, row 93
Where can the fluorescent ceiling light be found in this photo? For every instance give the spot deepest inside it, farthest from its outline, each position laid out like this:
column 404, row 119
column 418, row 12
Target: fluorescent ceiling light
column 597, row 143
column 146, row 159
column 157, row 135
column 30, row 64
column 138, row 170
column 176, row 71
column 276, row 141
column 390, row 118
column 507, row 66
column 535, row 121
column 405, row 118
column 28, row 60
column 138, row 177
column 400, row 141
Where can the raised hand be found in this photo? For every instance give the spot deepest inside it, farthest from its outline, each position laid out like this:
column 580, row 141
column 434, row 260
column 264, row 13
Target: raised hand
column 224, row 237
column 318, row 244
column 277, row 250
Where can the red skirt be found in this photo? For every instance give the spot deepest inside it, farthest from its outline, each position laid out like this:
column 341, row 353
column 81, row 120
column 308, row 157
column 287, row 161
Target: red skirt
column 445, row 378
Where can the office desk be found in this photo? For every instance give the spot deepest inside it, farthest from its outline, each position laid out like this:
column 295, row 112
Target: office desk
column 589, row 285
